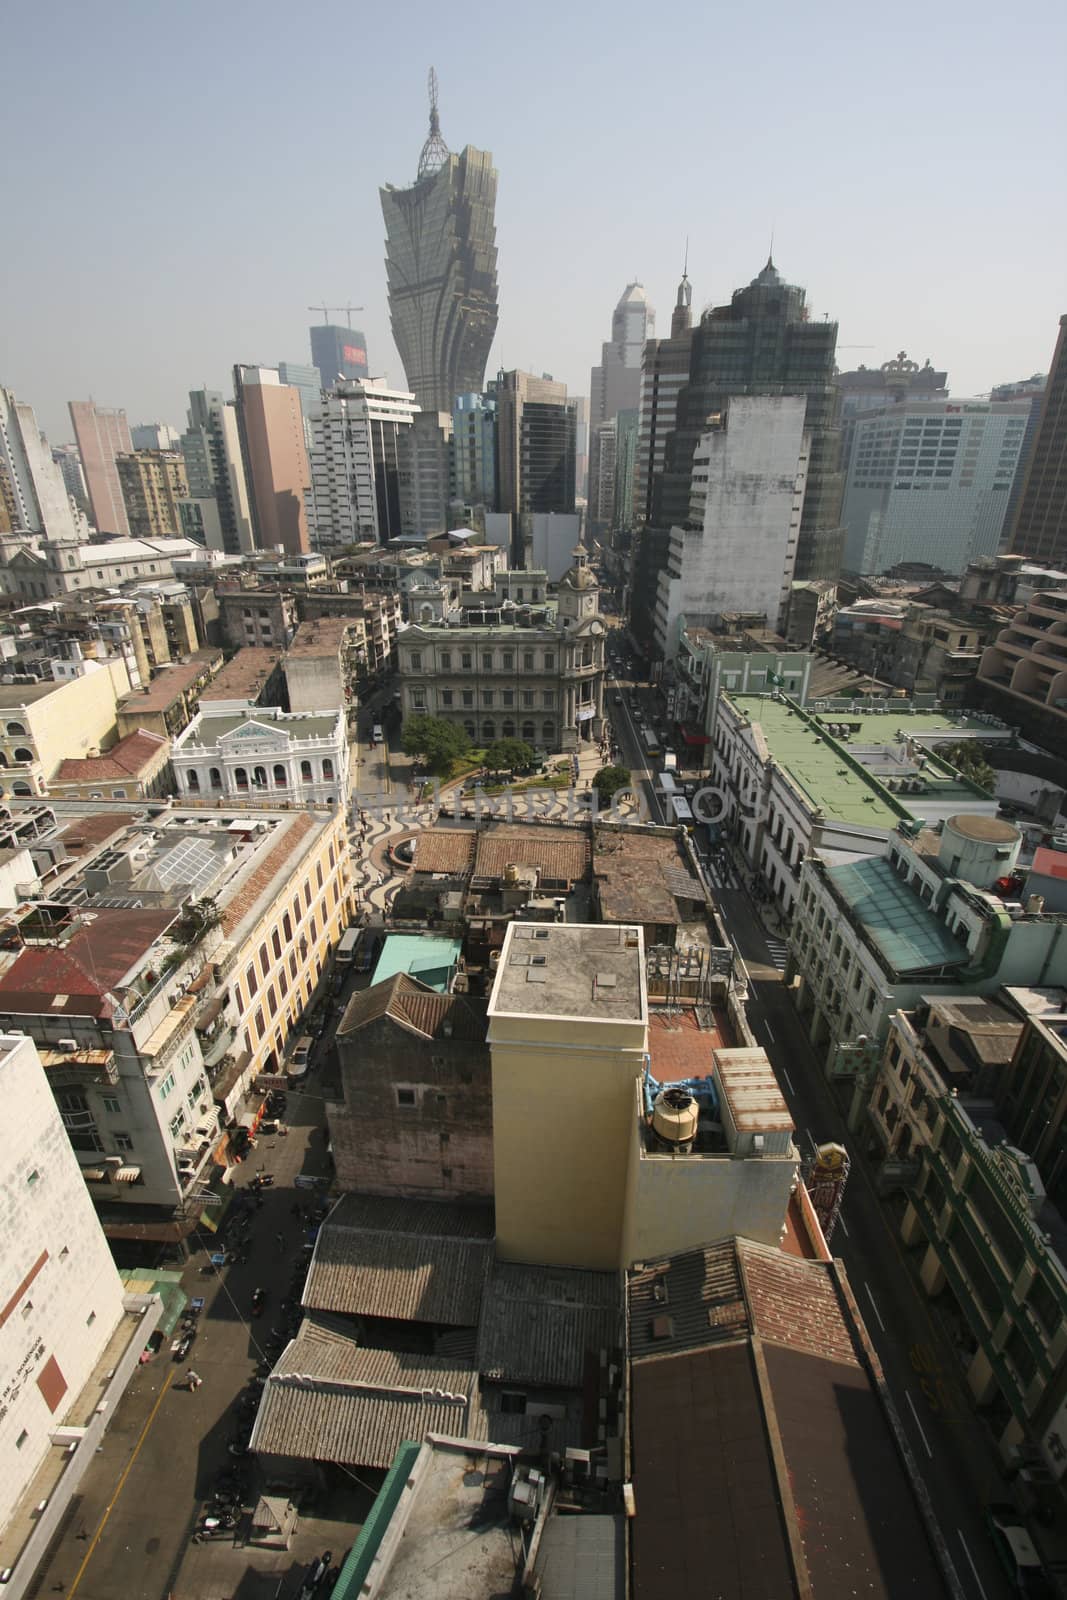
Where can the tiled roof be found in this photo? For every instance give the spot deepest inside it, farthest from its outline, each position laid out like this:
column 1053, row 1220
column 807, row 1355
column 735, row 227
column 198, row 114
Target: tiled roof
column 330, row 1399
column 170, row 684
column 641, row 877
column 539, row 1322
column 560, row 855
column 413, row 1260
column 413, row 1005
column 248, row 670
column 445, row 850
column 680, row 1048
column 128, row 758
column 285, row 852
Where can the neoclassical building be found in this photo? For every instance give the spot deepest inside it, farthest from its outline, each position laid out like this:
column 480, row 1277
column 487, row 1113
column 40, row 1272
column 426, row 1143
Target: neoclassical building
column 263, row 753
column 511, row 667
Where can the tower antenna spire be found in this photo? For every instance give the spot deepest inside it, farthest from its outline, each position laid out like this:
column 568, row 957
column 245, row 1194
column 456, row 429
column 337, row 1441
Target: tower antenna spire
column 685, row 262
column 435, row 152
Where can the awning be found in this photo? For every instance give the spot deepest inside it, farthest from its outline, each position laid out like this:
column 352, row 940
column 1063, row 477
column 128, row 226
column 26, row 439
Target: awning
column 585, row 712
column 213, row 1009
column 127, row 1174
column 202, row 979
column 94, row 1174
column 693, row 736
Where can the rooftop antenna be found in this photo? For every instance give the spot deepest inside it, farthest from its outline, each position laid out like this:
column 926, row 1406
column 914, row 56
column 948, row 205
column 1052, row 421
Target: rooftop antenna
column 435, row 152
column 685, row 262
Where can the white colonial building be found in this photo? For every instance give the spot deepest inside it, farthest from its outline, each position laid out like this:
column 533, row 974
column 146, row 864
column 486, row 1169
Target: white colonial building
column 263, row 753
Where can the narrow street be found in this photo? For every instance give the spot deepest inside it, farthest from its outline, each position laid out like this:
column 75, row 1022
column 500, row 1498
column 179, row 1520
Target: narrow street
column 953, row 1452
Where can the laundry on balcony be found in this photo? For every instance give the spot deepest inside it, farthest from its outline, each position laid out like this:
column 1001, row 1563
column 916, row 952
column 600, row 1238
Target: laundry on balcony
column 211, row 1012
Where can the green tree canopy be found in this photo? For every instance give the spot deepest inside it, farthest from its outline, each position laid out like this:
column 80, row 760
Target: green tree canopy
column 507, row 755
column 608, row 782
column 970, row 758
column 437, row 741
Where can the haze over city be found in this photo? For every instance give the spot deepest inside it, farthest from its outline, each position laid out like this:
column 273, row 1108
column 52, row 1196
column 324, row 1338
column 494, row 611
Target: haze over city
column 181, row 188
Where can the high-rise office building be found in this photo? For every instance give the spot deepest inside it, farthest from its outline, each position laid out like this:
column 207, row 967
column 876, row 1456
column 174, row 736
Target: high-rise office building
column 579, row 404
column 69, row 462
column 1040, row 529
column 441, row 269
column 33, row 493
column 214, row 468
column 930, row 481
column 271, row 427
column 626, row 424
column 305, row 380
column 874, row 388
column 429, row 472
column 737, row 550
column 1032, row 390
column 102, row 434
column 615, row 385
column 154, row 484
column 338, row 353
column 535, row 452
column 664, row 371
column 155, row 436
column 360, row 464
column 600, row 502
column 764, row 343
column 474, row 450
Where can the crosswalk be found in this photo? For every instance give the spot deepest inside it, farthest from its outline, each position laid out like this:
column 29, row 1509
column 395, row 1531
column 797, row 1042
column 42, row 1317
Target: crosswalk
column 779, row 950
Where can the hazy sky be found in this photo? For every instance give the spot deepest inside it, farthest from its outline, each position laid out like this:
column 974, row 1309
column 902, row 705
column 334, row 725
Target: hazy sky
column 181, row 180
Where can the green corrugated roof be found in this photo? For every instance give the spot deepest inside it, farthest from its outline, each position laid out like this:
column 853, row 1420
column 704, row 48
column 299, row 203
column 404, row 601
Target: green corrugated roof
column 429, row 958
column 358, row 1562
column 910, row 936
column 820, row 766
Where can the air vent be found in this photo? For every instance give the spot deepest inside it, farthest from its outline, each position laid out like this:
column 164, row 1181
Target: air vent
column 536, row 975
column 662, row 1327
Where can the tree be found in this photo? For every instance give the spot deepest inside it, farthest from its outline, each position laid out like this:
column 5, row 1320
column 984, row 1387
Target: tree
column 608, row 782
column 509, row 755
column 437, row 741
column 969, row 757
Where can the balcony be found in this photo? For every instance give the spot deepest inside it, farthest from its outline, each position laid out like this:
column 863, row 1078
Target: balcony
column 78, row 1067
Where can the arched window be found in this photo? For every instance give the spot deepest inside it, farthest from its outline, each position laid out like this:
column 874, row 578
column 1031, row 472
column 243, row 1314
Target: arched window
column 22, row 754
column 193, row 779
column 214, row 777
column 305, row 772
column 469, row 729
column 287, row 926
column 528, row 732
column 280, row 776
column 259, row 777
column 548, row 732
column 327, row 769
column 508, row 731
column 489, row 731
column 240, row 777
column 3, row 759
column 21, row 789
column 14, row 728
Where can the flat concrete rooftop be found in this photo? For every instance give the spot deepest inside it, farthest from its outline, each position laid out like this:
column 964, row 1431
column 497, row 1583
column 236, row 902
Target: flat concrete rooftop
column 589, row 970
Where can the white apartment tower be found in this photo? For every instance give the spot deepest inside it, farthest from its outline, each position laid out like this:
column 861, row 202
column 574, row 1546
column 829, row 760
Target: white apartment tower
column 61, row 1295
column 615, row 385
column 738, row 549
column 360, row 463
column 32, row 486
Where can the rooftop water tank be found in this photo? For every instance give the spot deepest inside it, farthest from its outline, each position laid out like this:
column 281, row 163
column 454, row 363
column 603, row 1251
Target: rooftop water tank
column 675, row 1115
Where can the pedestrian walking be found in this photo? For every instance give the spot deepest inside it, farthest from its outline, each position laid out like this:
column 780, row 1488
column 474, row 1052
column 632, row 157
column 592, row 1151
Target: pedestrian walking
column 195, row 1380
column 281, row 1242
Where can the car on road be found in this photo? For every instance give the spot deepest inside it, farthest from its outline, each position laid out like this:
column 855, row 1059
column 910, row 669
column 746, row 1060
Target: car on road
column 617, row 699
column 1016, row 1551
column 376, row 734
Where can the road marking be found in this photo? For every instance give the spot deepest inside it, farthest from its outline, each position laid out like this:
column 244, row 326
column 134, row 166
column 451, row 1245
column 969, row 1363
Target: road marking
column 874, row 1306
column 785, row 1075
column 970, row 1559
column 919, row 1425
column 120, row 1485
column 770, row 1033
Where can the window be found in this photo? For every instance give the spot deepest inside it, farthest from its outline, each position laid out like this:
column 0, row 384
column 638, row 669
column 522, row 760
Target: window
column 508, row 697
column 240, row 777
column 194, row 781
column 251, row 981
column 405, row 1097
column 418, row 699
column 32, row 1178
column 305, row 772
column 548, row 732
column 509, row 660
column 280, row 777
column 487, row 661
column 550, row 661
column 110, row 1103
column 21, row 1440
column 528, row 660
column 529, row 732
column 123, row 1142
column 415, row 660
column 214, row 777
column 167, row 1086
column 276, row 942
column 512, row 1403
column 527, row 697
column 466, row 660
column 446, row 697
column 548, row 699
column 487, row 697
column 446, row 660
column 264, row 960
column 489, row 730
column 468, row 697
column 177, row 1123
column 318, row 873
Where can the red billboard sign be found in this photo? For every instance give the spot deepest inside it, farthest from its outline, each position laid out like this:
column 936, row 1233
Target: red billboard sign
column 353, row 355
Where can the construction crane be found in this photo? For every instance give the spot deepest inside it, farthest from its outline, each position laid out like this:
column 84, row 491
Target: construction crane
column 348, row 310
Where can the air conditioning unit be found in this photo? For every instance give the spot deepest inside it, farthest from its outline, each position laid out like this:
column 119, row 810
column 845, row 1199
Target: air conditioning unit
column 67, row 1045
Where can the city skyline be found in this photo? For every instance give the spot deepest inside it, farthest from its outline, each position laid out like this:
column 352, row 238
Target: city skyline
column 899, row 244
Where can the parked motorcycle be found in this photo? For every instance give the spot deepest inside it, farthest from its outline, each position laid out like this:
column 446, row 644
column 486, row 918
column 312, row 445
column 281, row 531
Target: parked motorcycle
column 259, row 1301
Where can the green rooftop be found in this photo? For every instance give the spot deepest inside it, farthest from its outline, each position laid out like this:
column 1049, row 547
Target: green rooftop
column 830, row 773
column 215, row 725
column 427, row 957
column 911, row 937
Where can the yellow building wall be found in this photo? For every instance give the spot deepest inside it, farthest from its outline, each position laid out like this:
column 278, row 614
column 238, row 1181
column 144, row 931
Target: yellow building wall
column 271, row 1010
column 77, row 717
column 562, row 1129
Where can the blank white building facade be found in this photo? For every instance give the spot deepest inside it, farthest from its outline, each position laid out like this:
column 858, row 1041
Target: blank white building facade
column 738, row 549
column 61, row 1298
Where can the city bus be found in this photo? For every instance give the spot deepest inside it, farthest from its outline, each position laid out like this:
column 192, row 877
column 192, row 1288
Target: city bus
column 650, row 741
column 667, row 785
column 681, row 812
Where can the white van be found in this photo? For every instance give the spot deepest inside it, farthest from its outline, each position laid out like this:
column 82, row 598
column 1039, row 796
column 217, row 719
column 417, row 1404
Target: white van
column 301, row 1058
